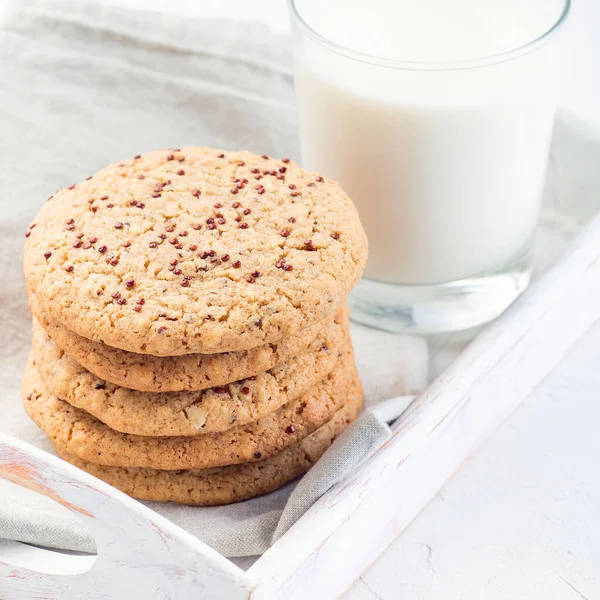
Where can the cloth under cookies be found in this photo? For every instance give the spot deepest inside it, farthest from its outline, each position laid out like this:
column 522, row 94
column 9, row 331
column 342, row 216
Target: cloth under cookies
column 111, row 83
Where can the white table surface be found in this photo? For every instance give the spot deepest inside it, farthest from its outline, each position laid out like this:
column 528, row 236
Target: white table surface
column 521, row 519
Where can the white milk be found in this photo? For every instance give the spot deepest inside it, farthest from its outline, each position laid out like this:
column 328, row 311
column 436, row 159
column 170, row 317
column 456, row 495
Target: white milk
column 445, row 166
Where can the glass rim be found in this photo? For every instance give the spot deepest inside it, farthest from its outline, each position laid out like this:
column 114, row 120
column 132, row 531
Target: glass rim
column 436, row 65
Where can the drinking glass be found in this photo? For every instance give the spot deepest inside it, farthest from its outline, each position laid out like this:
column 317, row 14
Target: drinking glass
column 436, row 119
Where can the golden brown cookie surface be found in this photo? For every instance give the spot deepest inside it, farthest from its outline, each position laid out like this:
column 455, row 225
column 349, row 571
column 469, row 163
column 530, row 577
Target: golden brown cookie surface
column 195, row 251
column 184, row 413
column 224, row 485
column 188, row 371
column 74, row 431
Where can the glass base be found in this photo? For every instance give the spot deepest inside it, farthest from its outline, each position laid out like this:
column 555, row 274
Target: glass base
column 439, row 308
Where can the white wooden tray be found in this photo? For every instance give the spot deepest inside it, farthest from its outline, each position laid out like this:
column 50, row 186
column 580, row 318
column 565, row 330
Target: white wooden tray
column 142, row 555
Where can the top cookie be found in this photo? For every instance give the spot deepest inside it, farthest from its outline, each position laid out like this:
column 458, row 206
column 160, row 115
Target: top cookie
column 195, row 251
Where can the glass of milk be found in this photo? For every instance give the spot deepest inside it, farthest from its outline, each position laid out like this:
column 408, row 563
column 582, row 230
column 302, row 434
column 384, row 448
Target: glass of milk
column 436, row 118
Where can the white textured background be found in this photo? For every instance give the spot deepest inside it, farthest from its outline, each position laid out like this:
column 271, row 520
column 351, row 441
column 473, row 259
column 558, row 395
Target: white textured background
column 521, row 520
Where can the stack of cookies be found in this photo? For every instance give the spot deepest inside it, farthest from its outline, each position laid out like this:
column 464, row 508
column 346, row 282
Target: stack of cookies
column 190, row 332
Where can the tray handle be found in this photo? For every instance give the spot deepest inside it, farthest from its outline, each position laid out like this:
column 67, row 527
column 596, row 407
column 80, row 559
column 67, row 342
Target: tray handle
column 140, row 554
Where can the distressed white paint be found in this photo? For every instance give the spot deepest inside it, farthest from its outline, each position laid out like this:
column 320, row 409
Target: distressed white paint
column 140, row 554
column 519, row 521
